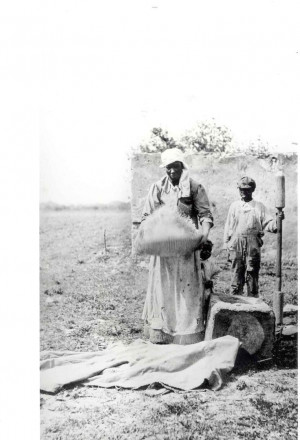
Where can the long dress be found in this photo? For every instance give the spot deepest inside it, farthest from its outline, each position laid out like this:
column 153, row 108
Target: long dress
column 174, row 303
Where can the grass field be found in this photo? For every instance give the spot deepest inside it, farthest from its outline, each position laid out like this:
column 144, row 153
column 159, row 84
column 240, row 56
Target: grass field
column 91, row 297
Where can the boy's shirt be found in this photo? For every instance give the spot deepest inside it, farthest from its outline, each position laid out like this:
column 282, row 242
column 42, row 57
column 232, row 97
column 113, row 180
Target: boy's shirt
column 247, row 217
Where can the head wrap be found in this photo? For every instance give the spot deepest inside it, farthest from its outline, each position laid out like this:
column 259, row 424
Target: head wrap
column 172, row 155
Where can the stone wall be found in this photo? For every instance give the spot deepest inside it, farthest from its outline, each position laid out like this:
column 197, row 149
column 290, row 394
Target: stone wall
column 219, row 176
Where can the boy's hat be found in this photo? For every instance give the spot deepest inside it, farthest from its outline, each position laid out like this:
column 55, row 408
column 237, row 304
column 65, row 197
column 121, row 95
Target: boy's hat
column 246, row 183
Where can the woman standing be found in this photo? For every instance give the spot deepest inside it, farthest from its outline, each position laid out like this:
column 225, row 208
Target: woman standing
column 173, row 311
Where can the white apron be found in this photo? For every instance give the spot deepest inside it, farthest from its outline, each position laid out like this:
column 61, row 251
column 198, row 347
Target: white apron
column 175, row 294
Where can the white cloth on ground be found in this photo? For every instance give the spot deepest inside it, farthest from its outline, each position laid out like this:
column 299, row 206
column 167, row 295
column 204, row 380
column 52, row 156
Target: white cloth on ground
column 141, row 363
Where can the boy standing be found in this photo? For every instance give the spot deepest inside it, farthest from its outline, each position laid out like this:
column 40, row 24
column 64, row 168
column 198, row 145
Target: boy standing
column 246, row 222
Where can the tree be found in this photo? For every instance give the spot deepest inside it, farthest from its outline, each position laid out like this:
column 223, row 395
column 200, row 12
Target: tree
column 206, row 136
column 258, row 148
column 159, row 141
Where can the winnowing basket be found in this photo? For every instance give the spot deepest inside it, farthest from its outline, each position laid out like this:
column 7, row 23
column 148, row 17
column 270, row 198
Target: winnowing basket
column 167, row 233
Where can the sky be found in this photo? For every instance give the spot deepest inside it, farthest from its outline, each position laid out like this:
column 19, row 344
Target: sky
column 112, row 70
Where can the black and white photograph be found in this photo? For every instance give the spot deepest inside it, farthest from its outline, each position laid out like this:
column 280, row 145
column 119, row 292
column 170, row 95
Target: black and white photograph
column 168, row 220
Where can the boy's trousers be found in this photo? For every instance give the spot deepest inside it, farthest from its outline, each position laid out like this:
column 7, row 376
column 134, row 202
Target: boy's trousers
column 244, row 255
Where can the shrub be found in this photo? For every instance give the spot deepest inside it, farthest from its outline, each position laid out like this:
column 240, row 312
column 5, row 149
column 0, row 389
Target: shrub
column 208, row 136
column 205, row 136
